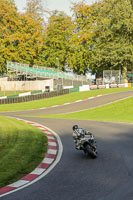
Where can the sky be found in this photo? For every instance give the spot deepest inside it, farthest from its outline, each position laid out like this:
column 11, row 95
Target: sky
column 61, row 5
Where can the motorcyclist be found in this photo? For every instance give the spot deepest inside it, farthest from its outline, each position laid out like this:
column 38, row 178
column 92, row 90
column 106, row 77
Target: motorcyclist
column 79, row 133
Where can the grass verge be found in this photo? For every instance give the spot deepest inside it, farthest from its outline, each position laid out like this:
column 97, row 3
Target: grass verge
column 22, row 148
column 59, row 100
column 9, row 93
column 121, row 111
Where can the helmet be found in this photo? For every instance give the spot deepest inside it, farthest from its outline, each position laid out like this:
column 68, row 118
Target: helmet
column 75, row 127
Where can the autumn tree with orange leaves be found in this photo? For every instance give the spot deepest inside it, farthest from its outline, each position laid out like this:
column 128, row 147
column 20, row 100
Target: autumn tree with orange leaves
column 8, row 28
column 21, row 37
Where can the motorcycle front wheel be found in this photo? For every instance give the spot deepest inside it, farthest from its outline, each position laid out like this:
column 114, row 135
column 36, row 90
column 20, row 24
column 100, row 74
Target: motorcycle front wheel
column 91, row 151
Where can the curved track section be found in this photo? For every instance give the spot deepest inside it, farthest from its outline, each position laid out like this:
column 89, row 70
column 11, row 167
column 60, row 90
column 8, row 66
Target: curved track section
column 76, row 176
column 50, row 160
column 76, row 106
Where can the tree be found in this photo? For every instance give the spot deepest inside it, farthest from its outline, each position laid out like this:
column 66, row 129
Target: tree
column 56, row 39
column 35, row 9
column 20, row 36
column 113, row 36
column 8, row 28
column 80, row 42
column 29, row 41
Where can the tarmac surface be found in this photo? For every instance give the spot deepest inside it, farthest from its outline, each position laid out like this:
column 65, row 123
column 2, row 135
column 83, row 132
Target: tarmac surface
column 76, row 176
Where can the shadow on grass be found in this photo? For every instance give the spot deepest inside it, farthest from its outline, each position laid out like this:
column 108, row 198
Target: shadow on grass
column 20, row 152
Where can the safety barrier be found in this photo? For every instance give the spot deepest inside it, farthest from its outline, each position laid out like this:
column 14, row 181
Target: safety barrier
column 92, row 87
column 74, row 89
column 34, row 97
column 40, row 94
column 22, row 94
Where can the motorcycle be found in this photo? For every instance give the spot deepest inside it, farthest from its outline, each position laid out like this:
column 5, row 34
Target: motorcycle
column 88, row 145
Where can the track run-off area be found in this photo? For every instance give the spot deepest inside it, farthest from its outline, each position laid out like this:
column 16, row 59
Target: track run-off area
column 76, row 176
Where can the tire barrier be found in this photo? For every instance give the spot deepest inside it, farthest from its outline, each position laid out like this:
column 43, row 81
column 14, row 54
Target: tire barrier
column 34, row 97
column 23, row 94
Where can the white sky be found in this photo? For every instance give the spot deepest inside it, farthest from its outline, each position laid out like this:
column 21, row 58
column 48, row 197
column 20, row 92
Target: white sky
column 61, row 5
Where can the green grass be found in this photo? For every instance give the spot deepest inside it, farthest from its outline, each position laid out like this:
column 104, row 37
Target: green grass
column 10, row 93
column 59, row 100
column 22, row 147
column 121, row 111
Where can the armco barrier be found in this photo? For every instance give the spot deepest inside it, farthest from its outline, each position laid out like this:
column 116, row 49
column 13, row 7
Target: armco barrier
column 84, row 88
column 35, row 92
column 23, row 94
column 34, row 97
column 93, row 87
column 13, row 96
column 74, row 89
column 101, row 86
column 113, row 85
column 121, row 85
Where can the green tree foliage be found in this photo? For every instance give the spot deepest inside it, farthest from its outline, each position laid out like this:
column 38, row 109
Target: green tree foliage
column 57, row 34
column 113, row 36
column 80, row 42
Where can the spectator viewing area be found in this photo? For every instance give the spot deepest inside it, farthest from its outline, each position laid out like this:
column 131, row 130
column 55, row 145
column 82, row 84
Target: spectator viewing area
column 59, row 79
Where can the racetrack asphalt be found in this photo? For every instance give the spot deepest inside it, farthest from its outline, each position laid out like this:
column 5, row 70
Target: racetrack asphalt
column 76, row 176
column 76, row 106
